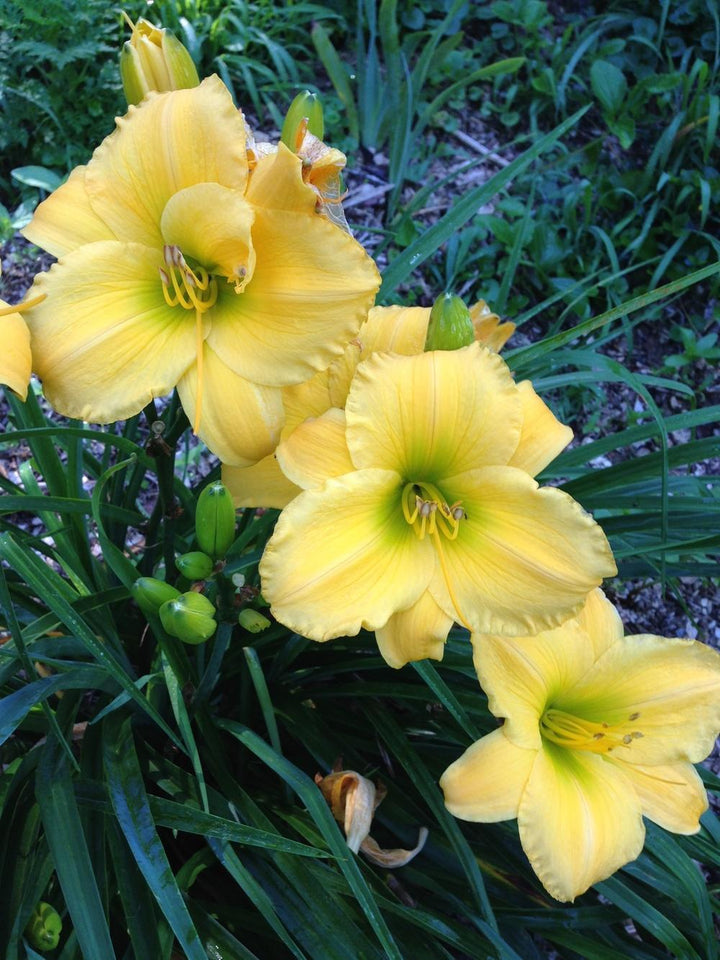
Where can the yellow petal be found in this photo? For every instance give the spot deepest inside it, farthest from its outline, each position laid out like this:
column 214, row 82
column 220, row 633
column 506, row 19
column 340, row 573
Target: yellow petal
column 277, row 184
column 433, row 415
column 239, row 421
column 672, row 795
column 395, row 329
column 66, row 220
column 542, row 436
column 580, row 820
column 262, row 485
column 104, row 341
column 601, row 622
column 168, row 142
column 418, row 633
column 486, row 783
column 308, row 399
column 525, row 557
column 522, row 675
column 315, row 451
column 211, row 223
column 667, row 689
column 311, row 289
column 17, row 359
column 343, row 557
column 488, row 327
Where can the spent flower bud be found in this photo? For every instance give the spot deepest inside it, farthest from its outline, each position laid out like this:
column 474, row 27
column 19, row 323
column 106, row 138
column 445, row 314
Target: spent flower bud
column 450, row 326
column 215, row 520
column 190, row 618
column 305, row 115
column 153, row 59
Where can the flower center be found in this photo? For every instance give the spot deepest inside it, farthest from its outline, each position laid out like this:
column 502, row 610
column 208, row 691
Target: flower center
column 192, row 289
column 577, row 733
column 427, row 511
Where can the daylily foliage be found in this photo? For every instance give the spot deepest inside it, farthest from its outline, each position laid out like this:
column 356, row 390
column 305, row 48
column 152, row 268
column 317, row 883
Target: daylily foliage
column 599, row 730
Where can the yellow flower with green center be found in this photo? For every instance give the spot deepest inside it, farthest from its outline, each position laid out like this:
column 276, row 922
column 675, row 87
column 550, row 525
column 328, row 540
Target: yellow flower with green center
column 419, row 508
column 17, row 360
column 392, row 329
column 176, row 269
column 600, row 729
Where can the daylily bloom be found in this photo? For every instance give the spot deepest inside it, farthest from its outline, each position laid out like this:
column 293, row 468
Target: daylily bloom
column 419, row 509
column 600, row 729
column 17, row 360
column 176, row 270
column 393, row 329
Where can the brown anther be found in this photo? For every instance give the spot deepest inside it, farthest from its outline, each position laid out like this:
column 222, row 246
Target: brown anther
column 627, row 738
column 633, row 716
column 598, row 736
column 637, row 735
column 458, row 513
column 168, row 255
column 164, row 277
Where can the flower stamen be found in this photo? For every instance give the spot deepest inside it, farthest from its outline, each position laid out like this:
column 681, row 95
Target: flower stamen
column 192, row 289
column 577, row 733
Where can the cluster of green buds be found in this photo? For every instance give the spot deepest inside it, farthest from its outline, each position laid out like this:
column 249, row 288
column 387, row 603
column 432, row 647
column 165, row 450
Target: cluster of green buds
column 153, row 59
column 450, row 326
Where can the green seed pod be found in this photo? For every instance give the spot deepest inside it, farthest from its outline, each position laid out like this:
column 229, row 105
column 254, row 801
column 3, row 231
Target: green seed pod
column 215, row 520
column 44, row 927
column 195, row 566
column 305, row 113
column 190, row 618
column 450, row 326
column 150, row 594
column 252, row 620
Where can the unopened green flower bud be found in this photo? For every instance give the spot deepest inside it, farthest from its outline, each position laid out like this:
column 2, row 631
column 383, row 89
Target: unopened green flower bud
column 195, row 565
column 252, row 620
column 190, row 618
column 150, row 594
column 305, row 115
column 215, row 520
column 44, row 927
column 153, row 59
column 450, row 326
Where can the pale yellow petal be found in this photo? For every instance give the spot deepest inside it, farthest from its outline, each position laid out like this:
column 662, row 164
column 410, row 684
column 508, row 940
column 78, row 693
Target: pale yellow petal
column 262, row 485
column 418, row 633
column 168, row 142
column 487, row 782
column 673, row 795
column 542, row 436
column 17, row 360
column 525, row 557
column 311, row 290
column 211, row 224
column 239, row 421
column 580, row 820
column 395, row 329
column 489, row 329
column 666, row 689
column 601, row 622
column 277, row 184
column 343, row 557
column 66, row 220
column 315, row 451
column 433, row 415
column 522, row 675
column 308, row 399
column 104, row 341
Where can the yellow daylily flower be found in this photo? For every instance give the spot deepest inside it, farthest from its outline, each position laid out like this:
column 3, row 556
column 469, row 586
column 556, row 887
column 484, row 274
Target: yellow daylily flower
column 17, row 359
column 421, row 486
column 600, row 730
column 393, row 329
column 176, row 269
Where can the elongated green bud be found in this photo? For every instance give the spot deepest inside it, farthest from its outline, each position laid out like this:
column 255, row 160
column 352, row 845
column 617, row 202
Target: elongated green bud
column 195, row 565
column 44, row 927
column 215, row 520
column 305, row 115
column 190, row 618
column 253, row 621
column 450, row 326
column 153, row 59
column 150, row 594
